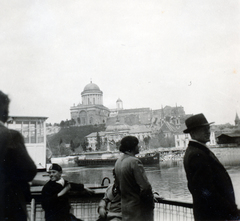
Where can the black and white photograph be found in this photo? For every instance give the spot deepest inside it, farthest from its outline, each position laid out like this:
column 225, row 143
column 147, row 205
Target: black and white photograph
column 119, row 110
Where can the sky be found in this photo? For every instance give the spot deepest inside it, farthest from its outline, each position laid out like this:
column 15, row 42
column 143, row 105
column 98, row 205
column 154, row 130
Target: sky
column 148, row 53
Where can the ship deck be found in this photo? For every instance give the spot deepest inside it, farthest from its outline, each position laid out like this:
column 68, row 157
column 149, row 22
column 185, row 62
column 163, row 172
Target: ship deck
column 85, row 207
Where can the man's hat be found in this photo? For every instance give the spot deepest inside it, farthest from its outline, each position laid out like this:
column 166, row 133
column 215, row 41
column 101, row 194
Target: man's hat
column 56, row 167
column 194, row 121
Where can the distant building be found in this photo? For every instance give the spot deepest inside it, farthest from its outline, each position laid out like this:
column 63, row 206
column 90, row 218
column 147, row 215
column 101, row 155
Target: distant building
column 135, row 116
column 229, row 138
column 119, row 106
column 174, row 115
column 91, row 111
column 139, row 122
column 229, row 135
column 114, row 133
column 33, row 130
column 167, row 128
column 182, row 139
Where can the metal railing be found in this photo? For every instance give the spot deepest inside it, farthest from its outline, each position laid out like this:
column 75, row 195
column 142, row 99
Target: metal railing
column 86, row 209
column 168, row 210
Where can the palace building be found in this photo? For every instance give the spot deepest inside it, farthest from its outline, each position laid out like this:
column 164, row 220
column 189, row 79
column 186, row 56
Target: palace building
column 120, row 122
column 91, row 111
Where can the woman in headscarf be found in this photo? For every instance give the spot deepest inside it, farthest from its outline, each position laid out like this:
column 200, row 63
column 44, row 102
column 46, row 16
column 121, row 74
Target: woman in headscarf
column 136, row 191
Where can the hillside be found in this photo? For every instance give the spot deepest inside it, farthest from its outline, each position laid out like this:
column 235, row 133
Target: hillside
column 74, row 134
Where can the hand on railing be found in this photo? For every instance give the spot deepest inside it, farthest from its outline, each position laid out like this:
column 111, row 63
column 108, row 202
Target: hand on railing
column 156, row 197
column 89, row 191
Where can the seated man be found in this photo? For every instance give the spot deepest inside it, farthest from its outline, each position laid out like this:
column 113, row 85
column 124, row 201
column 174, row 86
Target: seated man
column 55, row 196
column 110, row 206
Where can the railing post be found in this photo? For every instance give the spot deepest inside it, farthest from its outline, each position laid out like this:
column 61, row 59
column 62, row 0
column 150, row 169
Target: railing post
column 33, row 209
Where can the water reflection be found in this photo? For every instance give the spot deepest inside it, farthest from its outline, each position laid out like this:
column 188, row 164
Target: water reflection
column 172, row 183
column 89, row 175
column 168, row 178
column 228, row 156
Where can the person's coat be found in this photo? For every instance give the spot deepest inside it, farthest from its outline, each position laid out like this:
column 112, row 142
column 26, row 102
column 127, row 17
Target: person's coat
column 16, row 170
column 111, row 202
column 210, row 185
column 135, row 189
column 56, row 208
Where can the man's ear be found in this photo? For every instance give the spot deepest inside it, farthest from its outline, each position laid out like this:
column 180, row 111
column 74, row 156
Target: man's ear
column 192, row 133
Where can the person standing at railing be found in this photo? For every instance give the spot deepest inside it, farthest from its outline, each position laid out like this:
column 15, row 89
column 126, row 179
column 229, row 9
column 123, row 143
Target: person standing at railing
column 136, row 192
column 55, row 200
column 208, row 181
column 16, row 169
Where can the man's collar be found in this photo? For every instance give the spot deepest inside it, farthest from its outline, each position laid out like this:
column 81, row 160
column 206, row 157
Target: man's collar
column 61, row 181
column 129, row 153
column 199, row 142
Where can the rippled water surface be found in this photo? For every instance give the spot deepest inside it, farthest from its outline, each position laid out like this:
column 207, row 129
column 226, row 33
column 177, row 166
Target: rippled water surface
column 168, row 178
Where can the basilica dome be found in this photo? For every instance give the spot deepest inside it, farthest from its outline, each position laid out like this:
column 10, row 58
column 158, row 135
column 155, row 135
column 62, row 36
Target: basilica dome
column 91, row 88
column 92, row 95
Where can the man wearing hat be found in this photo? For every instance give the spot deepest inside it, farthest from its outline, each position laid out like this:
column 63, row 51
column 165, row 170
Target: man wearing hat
column 55, row 196
column 208, row 181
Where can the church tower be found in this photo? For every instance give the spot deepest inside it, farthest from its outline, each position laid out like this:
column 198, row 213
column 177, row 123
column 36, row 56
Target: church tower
column 237, row 121
column 119, row 104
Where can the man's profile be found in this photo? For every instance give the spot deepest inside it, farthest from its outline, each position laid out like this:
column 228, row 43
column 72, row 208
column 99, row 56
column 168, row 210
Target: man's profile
column 208, row 181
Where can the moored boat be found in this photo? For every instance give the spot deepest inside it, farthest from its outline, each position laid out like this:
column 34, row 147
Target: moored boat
column 111, row 158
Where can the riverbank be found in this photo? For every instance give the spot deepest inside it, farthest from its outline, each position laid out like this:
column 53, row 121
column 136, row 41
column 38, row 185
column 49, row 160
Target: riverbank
column 168, row 178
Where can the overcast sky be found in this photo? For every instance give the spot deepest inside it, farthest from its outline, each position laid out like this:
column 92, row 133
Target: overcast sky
column 148, row 53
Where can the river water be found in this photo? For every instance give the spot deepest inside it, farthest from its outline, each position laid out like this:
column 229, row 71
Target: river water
column 168, row 178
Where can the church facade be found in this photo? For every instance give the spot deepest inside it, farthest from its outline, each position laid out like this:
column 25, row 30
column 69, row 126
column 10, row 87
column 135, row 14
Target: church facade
column 91, row 111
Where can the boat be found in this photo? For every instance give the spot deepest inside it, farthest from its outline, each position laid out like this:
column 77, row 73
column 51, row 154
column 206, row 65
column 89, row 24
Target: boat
column 109, row 158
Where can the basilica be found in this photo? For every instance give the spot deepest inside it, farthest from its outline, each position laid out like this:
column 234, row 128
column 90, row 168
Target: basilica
column 91, row 111
column 119, row 122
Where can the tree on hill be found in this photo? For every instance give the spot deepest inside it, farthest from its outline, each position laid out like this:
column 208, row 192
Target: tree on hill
column 76, row 134
column 62, row 124
column 84, row 144
column 72, row 146
column 98, row 142
column 67, row 123
column 160, row 140
column 64, row 151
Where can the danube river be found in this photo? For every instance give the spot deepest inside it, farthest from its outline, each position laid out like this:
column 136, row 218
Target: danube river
column 168, row 178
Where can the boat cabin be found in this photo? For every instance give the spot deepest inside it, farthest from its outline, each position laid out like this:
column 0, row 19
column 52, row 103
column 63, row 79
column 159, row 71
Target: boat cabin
column 33, row 130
